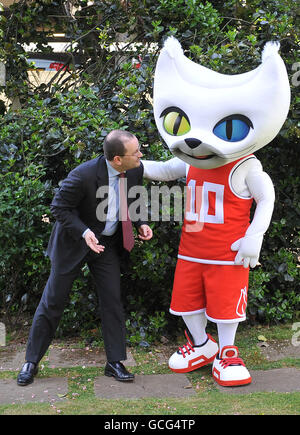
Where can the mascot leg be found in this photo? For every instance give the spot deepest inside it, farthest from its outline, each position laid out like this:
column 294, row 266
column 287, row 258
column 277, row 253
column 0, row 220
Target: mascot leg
column 226, row 333
column 200, row 349
column 196, row 324
column 228, row 369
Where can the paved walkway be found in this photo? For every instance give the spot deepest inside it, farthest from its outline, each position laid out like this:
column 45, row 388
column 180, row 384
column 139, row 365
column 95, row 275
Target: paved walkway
column 55, row 389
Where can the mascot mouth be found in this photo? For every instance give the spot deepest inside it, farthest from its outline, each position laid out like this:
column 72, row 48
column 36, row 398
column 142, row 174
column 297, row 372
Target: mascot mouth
column 210, row 156
column 179, row 152
column 186, row 156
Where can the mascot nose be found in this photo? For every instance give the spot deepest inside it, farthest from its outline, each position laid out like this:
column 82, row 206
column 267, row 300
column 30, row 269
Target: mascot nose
column 193, row 143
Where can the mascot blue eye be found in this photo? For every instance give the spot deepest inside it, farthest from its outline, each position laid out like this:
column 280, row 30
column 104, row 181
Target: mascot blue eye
column 233, row 128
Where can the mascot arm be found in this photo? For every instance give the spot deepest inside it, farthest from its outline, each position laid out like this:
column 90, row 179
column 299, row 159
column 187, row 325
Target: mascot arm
column 164, row 171
column 262, row 190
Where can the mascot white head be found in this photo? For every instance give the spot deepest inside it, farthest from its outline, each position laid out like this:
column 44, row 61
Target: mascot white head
column 209, row 119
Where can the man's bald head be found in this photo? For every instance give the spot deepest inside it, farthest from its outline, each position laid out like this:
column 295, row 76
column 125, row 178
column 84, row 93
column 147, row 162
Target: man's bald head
column 114, row 143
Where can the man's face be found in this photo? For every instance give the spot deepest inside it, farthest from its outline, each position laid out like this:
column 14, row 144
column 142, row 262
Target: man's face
column 132, row 155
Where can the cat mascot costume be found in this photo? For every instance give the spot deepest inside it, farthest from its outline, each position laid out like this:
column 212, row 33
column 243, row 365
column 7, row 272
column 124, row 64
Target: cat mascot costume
column 212, row 123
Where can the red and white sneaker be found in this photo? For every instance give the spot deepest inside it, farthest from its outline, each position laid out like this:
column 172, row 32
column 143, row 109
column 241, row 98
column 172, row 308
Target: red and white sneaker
column 190, row 357
column 229, row 370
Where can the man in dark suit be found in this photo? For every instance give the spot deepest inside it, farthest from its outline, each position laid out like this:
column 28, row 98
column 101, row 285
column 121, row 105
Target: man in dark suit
column 83, row 234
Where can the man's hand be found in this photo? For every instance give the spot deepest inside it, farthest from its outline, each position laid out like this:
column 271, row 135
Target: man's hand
column 93, row 242
column 145, row 232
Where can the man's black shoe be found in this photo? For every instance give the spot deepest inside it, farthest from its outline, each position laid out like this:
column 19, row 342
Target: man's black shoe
column 27, row 374
column 118, row 371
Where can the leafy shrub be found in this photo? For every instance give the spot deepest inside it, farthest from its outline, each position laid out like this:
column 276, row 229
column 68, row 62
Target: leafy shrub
column 60, row 126
column 23, row 229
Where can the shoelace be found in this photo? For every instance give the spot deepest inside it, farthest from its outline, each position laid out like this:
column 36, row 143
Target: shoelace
column 187, row 348
column 226, row 362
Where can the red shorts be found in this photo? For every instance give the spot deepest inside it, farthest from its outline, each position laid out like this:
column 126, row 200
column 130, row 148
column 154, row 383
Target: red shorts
column 219, row 290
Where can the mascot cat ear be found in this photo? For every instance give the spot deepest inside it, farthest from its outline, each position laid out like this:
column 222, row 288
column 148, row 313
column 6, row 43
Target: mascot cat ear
column 206, row 97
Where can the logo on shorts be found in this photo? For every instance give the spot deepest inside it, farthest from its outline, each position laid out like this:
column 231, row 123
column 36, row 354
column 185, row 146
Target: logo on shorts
column 242, row 303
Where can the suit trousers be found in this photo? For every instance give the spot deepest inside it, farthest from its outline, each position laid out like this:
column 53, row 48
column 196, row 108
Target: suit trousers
column 105, row 268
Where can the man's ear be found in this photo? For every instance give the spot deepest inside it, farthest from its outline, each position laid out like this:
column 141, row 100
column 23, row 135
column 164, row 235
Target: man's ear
column 117, row 161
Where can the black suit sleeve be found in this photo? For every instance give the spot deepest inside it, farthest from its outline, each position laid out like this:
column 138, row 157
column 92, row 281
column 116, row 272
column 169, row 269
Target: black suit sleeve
column 65, row 202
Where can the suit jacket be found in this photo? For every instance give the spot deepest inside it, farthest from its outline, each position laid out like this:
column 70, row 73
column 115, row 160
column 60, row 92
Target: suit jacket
column 74, row 208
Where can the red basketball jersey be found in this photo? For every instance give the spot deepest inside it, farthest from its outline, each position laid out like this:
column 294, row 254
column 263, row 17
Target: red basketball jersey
column 215, row 216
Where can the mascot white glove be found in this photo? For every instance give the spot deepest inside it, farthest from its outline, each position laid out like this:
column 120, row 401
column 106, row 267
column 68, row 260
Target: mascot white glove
column 248, row 248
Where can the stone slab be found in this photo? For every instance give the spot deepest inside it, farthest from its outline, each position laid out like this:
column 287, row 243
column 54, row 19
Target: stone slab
column 87, row 357
column 279, row 350
column 169, row 385
column 12, row 358
column 41, row 390
column 284, row 380
column 59, row 357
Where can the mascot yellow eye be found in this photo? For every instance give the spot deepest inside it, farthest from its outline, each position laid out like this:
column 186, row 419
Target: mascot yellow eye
column 175, row 121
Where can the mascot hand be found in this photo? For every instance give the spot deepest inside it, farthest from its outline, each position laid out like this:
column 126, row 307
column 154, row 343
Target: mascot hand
column 248, row 248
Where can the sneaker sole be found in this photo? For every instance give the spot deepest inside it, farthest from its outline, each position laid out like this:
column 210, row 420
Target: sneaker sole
column 233, row 383
column 192, row 366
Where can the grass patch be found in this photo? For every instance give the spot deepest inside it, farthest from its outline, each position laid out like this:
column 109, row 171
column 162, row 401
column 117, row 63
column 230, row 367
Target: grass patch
column 205, row 403
column 208, row 400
